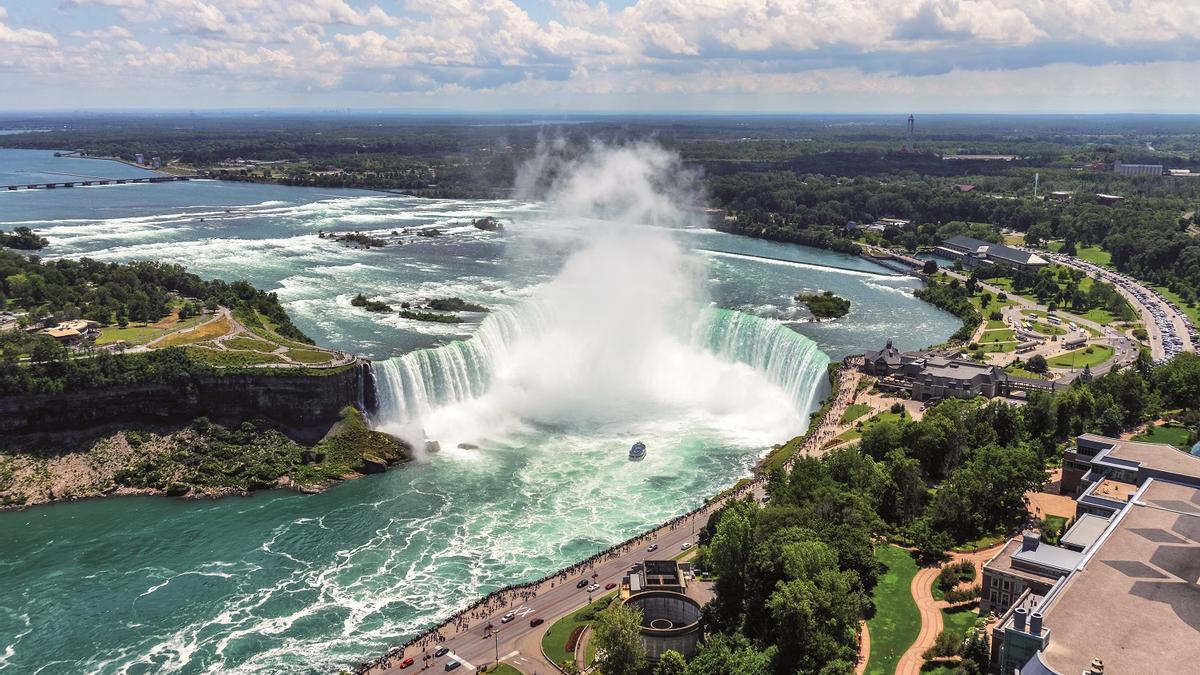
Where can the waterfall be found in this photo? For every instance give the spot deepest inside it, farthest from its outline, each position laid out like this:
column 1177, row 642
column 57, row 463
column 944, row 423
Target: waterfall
column 409, row 387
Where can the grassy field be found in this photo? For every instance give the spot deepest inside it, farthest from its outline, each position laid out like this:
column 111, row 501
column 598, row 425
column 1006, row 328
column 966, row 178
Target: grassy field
column 309, row 356
column 855, row 434
column 232, row 359
column 141, row 333
column 1053, row 525
column 208, row 331
column 252, row 344
column 554, row 642
column 1021, row 372
column 999, row 335
column 1171, row 434
column 855, row 411
column 1091, row 355
column 896, row 621
column 1094, row 255
column 993, row 324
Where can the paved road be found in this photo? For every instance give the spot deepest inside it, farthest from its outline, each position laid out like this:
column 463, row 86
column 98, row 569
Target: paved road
column 1169, row 329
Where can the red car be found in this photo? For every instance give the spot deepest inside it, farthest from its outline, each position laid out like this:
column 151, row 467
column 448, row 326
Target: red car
column 610, row 585
column 406, row 662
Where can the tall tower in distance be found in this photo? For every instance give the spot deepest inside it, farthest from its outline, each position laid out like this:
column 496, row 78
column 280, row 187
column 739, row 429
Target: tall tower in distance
column 910, row 146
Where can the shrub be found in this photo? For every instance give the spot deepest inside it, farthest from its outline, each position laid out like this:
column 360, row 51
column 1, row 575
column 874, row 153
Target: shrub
column 956, row 596
column 947, row 644
column 897, row 408
column 573, row 638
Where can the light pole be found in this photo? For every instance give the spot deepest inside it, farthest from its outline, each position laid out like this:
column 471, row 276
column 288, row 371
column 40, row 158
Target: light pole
column 496, row 641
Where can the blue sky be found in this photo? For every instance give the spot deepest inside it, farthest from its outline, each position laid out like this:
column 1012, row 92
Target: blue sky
column 773, row 56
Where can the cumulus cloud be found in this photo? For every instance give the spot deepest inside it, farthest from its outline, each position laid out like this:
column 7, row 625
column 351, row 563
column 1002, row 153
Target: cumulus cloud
column 694, row 47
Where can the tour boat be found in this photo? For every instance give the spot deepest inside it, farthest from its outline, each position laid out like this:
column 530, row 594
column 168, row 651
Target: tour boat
column 638, row 451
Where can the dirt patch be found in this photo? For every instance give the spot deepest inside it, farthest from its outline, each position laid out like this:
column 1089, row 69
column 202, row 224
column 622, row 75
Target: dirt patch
column 201, row 333
column 167, row 321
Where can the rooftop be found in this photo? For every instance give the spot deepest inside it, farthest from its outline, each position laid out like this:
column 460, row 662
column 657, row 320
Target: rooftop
column 1135, row 600
column 1114, row 489
column 1003, row 562
column 1086, row 530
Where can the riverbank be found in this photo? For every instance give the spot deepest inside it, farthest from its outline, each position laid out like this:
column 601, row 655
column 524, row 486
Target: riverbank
column 201, row 460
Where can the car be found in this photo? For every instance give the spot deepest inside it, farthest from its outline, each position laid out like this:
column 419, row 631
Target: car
column 441, row 651
column 652, row 548
column 406, row 663
column 582, row 583
column 766, row 498
column 610, row 585
column 534, row 623
column 451, row 665
column 686, row 545
column 507, row 617
column 593, row 588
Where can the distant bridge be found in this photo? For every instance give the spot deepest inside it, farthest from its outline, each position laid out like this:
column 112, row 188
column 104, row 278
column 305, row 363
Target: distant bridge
column 53, row 185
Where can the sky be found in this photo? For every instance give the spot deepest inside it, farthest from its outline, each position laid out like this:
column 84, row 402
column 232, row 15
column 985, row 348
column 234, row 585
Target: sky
column 658, row 56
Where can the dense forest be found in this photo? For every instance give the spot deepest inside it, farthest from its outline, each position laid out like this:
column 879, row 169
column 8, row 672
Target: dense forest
column 795, row 575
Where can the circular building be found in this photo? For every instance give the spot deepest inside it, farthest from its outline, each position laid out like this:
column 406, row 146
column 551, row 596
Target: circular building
column 670, row 620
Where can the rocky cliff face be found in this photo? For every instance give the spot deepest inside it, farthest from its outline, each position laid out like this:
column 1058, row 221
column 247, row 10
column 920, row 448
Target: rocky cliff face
column 297, row 402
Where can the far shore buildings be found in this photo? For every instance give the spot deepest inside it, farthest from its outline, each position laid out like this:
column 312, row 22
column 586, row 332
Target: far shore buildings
column 978, row 253
column 1121, row 593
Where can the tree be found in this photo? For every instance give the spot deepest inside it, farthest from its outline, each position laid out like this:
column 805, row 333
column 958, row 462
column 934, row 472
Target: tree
column 617, row 632
column 671, row 663
column 930, row 267
column 1037, row 364
column 723, row 655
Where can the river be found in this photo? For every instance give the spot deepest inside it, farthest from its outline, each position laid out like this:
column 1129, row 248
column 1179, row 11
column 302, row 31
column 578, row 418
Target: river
column 283, row 582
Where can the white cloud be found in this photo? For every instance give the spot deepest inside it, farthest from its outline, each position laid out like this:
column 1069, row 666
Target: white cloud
column 691, row 48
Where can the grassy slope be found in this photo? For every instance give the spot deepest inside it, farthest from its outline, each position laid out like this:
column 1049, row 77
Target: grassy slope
column 554, row 642
column 896, row 622
column 1169, row 434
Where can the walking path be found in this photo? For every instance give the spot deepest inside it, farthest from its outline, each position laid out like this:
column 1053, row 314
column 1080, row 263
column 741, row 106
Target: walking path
column 864, row 648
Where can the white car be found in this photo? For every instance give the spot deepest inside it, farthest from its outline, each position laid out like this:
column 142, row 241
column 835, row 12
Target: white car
column 508, row 617
column 686, row 545
column 652, row 548
column 593, row 588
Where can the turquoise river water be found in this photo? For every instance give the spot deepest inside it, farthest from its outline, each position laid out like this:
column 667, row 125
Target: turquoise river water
column 600, row 334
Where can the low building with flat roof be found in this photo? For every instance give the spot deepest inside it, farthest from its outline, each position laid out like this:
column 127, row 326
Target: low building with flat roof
column 1126, row 594
column 979, row 253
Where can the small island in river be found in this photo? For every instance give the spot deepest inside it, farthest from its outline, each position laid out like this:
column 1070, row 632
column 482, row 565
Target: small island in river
column 825, row 305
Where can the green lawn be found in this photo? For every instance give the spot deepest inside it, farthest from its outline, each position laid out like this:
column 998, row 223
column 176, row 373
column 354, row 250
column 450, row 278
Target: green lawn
column 1047, row 328
column 993, row 324
column 1090, row 355
column 998, row 335
column 961, row 618
column 855, row 434
column 554, row 642
column 1053, row 525
column 228, row 359
column 309, row 356
column 141, row 333
column 1171, row 434
column 1021, row 372
column 252, row 344
column 896, row 622
column 1094, row 255
column 855, row 411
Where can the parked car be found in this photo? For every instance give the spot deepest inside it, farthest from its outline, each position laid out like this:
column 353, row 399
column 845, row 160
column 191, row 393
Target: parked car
column 610, row 585
column 534, row 623
column 582, row 583
column 442, row 651
column 451, row 665
column 507, row 617
column 686, row 545
column 652, row 548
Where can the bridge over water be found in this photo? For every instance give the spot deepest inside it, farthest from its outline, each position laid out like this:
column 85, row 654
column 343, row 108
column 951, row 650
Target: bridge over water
column 53, row 185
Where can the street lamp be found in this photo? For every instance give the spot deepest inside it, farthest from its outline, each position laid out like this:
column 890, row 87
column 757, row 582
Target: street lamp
column 496, row 641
